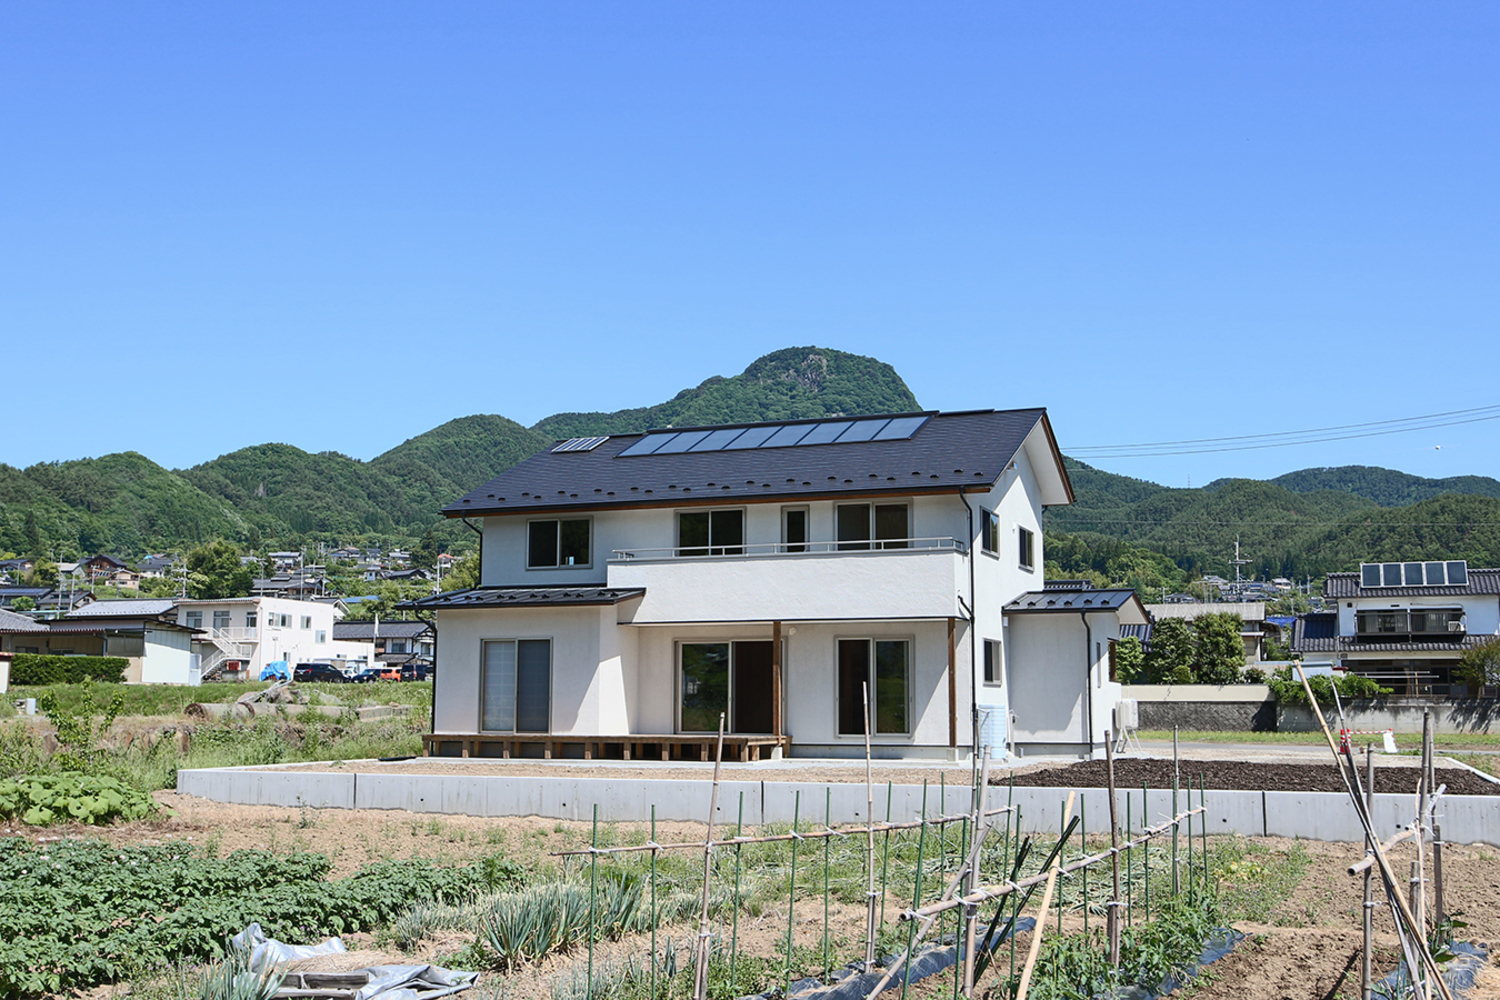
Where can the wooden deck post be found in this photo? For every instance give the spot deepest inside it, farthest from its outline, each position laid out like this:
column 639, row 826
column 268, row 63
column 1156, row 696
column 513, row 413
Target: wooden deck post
column 776, row 724
column 952, row 687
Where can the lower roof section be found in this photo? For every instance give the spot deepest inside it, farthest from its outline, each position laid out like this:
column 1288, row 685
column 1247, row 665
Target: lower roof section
column 523, row 597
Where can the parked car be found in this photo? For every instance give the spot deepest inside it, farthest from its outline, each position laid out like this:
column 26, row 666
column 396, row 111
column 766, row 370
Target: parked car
column 414, row 672
column 319, row 672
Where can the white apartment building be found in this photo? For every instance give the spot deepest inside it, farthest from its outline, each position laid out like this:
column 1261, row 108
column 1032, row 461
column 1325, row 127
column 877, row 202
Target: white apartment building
column 246, row 633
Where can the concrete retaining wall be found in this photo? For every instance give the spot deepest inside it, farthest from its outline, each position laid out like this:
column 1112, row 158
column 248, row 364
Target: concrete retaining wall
column 1310, row 815
column 1404, row 715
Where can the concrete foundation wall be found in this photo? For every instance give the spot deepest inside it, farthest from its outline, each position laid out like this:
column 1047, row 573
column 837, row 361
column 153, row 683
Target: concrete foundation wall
column 1310, row 815
column 1404, row 715
column 1226, row 716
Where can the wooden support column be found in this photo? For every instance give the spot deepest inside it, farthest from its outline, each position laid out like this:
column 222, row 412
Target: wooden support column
column 776, row 723
column 952, row 686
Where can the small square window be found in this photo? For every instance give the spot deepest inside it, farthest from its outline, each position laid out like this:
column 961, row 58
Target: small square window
column 561, row 543
column 320, row 636
column 1026, row 543
column 307, row 621
column 993, row 674
column 990, row 536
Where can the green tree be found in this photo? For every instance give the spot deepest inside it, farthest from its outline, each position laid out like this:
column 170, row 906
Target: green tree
column 214, row 571
column 464, row 574
column 1130, row 660
column 43, row 574
column 424, row 554
column 1480, row 665
column 1218, row 650
column 23, row 604
column 1172, row 652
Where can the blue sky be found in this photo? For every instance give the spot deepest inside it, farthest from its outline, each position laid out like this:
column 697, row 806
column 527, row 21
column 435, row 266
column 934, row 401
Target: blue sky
column 340, row 224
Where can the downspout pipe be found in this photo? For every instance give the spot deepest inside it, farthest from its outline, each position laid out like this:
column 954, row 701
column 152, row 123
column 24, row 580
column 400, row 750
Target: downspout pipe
column 1088, row 682
column 973, row 639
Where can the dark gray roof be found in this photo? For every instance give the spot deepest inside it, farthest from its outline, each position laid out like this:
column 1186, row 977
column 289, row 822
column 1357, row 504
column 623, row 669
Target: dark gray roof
column 93, row 626
column 1319, row 633
column 10, row 621
column 1481, row 581
column 523, row 597
column 1085, row 599
column 11, row 593
column 950, row 450
column 364, row 630
column 1141, row 632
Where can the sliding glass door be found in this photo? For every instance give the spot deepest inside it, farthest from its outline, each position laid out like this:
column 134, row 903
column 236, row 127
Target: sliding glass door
column 517, row 686
column 889, row 688
column 729, row 677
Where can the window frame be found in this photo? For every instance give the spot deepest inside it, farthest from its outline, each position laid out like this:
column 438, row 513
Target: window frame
column 680, row 551
column 989, row 533
column 911, row 669
column 871, row 542
column 559, row 565
column 786, row 543
column 193, row 619
column 305, row 622
column 992, row 669
column 320, row 637
column 729, row 706
column 551, row 682
column 1025, row 548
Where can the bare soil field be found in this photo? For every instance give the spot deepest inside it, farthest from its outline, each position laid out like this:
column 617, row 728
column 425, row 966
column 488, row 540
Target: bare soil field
column 1132, row 772
column 1305, row 949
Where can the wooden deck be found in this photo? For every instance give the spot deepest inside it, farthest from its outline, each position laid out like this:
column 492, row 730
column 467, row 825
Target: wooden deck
column 632, row 746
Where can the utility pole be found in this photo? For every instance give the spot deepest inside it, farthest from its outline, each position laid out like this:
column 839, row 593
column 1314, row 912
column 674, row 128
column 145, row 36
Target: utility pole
column 1238, row 562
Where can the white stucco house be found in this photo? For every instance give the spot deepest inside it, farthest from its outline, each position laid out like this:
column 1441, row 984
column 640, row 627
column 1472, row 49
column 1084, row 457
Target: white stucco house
column 635, row 587
column 1404, row 624
column 243, row 634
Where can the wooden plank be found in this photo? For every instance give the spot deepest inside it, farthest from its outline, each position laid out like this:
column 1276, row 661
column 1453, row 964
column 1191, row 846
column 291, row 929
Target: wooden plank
column 776, row 722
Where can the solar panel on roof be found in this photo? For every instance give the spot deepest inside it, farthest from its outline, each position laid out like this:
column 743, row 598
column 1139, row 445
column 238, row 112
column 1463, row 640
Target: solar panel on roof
column 752, row 438
column 900, row 427
column 718, row 440
column 825, row 433
column 581, row 444
column 788, row 435
column 775, row 436
column 681, row 442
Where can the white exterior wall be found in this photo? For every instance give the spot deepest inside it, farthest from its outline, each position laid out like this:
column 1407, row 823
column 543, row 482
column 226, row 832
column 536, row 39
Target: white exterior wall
column 593, row 666
column 167, row 657
column 1047, row 664
column 1481, row 610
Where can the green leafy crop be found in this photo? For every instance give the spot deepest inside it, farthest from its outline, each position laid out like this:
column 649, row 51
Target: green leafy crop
column 40, row 799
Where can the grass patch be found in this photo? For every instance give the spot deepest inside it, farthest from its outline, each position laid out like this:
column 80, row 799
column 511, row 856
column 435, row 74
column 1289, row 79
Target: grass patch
column 1254, row 879
column 162, row 699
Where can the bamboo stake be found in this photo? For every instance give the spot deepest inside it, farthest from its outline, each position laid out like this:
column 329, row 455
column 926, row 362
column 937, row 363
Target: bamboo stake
column 773, row 838
column 1146, row 854
column 916, row 901
column 1036, row 934
column 827, row 845
column 885, row 862
column 700, row 953
column 984, row 893
column 593, row 890
column 734, row 939
column 971, row 913
column 870, row 896
column 1414, row 937
column 1112, row 914
column 653, row 901
column 1129, row 867
column 1367, row 926
column 791, row 899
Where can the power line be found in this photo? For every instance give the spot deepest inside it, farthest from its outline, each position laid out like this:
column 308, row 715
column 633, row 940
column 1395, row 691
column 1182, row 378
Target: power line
column 1301, row 524
column 1285, row 439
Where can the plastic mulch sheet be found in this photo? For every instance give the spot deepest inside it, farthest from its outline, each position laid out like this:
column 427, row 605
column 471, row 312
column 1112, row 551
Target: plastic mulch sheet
column 1459, row 974
column 380, row 982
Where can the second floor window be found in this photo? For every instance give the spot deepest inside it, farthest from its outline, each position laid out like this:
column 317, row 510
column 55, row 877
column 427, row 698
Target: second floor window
column 990, row 536
column 858, row 524
column 221, row 619
column 551, row 544
column 195, row 619
column 1026, row 544
column 307, row 621
column 250, row 618
column 711, row 532
column 992, row 672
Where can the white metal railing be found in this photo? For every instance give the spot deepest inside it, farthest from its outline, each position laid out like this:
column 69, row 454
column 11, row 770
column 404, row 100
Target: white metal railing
column 792, row 548
column 237, row 634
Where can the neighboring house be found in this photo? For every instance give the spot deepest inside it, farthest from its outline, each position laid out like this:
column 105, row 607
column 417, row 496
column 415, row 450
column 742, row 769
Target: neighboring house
column 156, row 648
column 48, row 601
column 243, row 634
column 1404, row 625
column 155, row 567
column 406, row 574
column 16, row 568
column 396, row 642
column 634, row 587
column 104, row 569
column 1252, row 616
column 293, row 587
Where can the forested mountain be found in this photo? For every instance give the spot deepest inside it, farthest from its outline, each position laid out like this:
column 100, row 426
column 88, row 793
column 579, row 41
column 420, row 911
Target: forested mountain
column 1386, row 487
column 789, row 384
column 1121, row 529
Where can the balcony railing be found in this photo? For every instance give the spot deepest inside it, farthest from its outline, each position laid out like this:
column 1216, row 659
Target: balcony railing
column 1402, row 626
column 764, row 549
column 237, row 634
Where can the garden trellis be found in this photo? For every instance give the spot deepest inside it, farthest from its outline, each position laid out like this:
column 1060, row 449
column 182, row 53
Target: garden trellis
column 982, row 840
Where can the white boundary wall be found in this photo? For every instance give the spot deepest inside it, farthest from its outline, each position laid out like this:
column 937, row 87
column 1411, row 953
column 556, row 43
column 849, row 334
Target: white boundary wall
column 1308, row 815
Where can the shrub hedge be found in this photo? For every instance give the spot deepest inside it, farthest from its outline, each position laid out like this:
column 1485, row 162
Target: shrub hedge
column 46, row 668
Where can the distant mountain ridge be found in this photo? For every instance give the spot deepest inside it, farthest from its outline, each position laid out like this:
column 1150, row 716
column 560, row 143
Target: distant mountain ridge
column 1303, row 523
